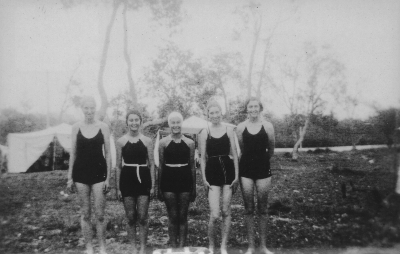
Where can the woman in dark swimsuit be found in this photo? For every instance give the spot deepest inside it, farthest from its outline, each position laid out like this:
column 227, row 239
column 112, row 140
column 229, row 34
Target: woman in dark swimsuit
column 257, row 142
column 219, row 171
column 135, row 177
column 89, row 170
column 177, row 178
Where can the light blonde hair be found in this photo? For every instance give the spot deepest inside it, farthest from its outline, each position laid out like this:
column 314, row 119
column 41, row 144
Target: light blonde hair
column 213, row 103
column 175, row 114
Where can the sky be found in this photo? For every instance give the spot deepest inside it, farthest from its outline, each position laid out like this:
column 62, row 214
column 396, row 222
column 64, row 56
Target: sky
column 43, row 44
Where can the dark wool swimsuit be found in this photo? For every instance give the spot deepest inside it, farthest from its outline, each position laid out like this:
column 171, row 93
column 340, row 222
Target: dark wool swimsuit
column 176, row 179
column 135, row 179
column 90, row 166
column 219, row 168
column 254, row 163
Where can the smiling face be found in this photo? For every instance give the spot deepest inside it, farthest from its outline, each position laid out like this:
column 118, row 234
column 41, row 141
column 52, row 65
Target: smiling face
column 214, row 114
column 253, row 108
column 89, row 109
column 175, row 123
column 133, row 122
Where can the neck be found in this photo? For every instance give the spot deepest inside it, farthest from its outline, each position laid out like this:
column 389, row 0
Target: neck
column 89, row 121
column 254, row 119
column 216, row 124
column 176, row 135
column 134, row 133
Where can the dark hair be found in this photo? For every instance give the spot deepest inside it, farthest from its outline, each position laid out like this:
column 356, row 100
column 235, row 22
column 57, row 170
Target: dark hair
column 133, row 112
column 253, row 99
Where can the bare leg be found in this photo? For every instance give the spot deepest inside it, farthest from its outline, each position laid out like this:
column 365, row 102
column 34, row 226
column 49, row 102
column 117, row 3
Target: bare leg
column 100, row 205
column 143, row 208
column 263, row 186
column 84, row 196
column 171, row 202
column 213, row 199
column 130, row 211
column 226, row 217
column 247, row 186
column 184, row 201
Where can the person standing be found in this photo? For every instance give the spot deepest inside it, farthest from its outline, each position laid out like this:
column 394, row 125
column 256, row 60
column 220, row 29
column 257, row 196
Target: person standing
column 219, row 171
column 135, row 178
column 177, row 178
column 257, row 142
column 89, row 170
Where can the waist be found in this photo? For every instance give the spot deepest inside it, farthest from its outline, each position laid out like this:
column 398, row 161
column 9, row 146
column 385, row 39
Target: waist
column 133, row 165
column 219, row 156
column 176, row 165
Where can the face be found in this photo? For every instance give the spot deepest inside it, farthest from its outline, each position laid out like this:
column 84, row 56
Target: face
column 214, row 114
column 175, row 123
column 133, row 122
column 89, row 109
column 253, row 108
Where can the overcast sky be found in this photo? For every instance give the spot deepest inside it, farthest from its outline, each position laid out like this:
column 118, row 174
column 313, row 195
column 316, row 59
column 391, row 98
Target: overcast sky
column 43, row 43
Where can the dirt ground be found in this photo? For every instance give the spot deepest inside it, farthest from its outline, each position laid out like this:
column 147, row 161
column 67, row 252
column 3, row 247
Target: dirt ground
column 328, row 202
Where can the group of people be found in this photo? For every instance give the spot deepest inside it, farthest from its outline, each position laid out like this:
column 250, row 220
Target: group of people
column 221, row 168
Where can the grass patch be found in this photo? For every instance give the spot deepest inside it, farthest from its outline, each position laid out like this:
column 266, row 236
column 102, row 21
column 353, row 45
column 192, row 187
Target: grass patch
column 306, row 207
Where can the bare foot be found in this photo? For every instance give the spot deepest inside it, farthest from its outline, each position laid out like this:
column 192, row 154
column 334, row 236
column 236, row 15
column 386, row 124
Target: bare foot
column 142, row 250
column 266, row 251
column 89, row 248
column 211, row 249
column 223, row 251
column 250, row 251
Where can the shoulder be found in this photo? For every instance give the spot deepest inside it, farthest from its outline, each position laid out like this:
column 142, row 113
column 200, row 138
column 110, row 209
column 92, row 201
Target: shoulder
column 267, row 125
column 76, row 126
column 230, row 130
column 203, row 133
column 188, row 141
column 122, row 141
column 146, row 140
column 103, row 126
column 165, row 141
column 241, row 126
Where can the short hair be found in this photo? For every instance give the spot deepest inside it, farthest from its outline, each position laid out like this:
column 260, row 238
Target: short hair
column 133, row 112
column 213, row 103
column 87, row 98
column 175, row 114
column 253, row 99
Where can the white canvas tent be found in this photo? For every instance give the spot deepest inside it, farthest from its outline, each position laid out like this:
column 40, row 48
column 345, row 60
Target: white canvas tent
column 192, row 125
column 26, row 148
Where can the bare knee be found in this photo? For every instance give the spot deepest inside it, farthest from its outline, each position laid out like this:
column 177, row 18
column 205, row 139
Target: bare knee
column 100, row 218
column 174, row 220
column 214, row 216
column 248, row 211
column 142, row 220
column 262, row 212
column 131, row 219
column 226, row 213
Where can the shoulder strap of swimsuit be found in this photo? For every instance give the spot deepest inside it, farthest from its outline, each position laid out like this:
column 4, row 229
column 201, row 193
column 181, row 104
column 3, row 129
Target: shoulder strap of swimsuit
column 208, row 131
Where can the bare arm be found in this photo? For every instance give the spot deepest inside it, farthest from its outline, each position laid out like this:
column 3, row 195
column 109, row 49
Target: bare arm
column 161, row 149
column 231, row 134
column 119, row 146
column 239, row 134
column 106, row 133
column 150, row 160
column 271, row 138
column 72, row 155
column 192, row 167
column 203, row 160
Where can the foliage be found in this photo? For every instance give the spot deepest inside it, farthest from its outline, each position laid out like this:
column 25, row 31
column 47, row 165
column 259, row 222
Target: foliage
column 13, row 121
column 385, row 122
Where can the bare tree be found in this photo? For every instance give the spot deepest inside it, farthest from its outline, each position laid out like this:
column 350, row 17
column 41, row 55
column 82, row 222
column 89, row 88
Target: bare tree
column 321, row 81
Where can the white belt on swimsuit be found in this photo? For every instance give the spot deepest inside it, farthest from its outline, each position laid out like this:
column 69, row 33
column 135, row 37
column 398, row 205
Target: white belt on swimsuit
column 176, row 165
column 137, row 169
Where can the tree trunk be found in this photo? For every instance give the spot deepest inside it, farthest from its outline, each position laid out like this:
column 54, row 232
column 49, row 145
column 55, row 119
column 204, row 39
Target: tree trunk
column 132, row 89
column 295, row 154
column 253, row 51
column 263, row 68
column 103, row 62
